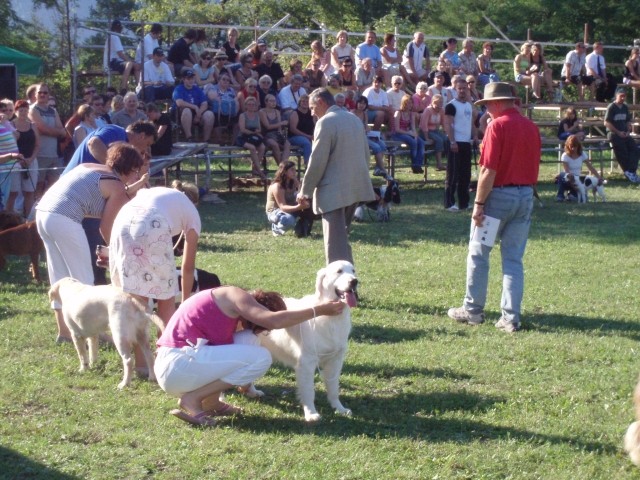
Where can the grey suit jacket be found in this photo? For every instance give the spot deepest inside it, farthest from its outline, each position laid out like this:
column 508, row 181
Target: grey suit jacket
column 337, row 175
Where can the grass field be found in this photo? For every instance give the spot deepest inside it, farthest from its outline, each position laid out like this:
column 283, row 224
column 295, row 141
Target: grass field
column 431, row 398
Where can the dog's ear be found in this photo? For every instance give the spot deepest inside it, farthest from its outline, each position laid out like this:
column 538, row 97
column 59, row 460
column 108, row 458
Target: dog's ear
column 319, row 279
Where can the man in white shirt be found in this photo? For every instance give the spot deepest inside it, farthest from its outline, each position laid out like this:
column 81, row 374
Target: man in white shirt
column 573, row 70
column 395, row 93
column 150, row 42
column 290, row 95
column 158, row 80
column 416, row 58
column 379, row 109
column 116, row 59
column 603, row 82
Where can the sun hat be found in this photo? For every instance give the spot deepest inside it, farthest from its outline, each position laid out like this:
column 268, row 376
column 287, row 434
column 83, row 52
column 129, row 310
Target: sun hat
column 497, row 91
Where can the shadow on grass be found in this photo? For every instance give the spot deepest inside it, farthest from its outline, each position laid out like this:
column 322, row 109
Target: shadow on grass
column 386, row 372
column 603, row 326
column 374, row 334
column 15, row 465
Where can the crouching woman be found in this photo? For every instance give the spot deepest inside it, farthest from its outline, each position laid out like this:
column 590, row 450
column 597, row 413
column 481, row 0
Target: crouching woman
column 210, row 345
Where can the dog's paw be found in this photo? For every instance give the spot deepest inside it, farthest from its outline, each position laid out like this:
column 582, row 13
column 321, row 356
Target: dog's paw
column 251, row 392
column 344, row 411
column 122, row 385
column 310, row 417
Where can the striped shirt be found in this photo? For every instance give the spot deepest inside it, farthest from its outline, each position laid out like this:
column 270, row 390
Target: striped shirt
column 8, row 144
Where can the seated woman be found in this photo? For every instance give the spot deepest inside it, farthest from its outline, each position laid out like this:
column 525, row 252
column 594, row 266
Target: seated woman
column 249, row 89
column 632, row 69
column 572, row 160
column 522, row 73
column 570, row 125
column 438, row 88
column 210, row 345
column 246, row 70
column 392, row 61
column 421, row 99
column 283, row 211
column 540, row 68
column 346, row 76
column 301, row 127
column 250, row 136
column 316, row 77
column 342, row 51
column 205, row 69
column 318, row 52
column 87, row 124
column 223, row 102
column 486, row 73
column 404, row 130
column 272, row 125
column 376, row 145
column 451, row 57
column 432, row 127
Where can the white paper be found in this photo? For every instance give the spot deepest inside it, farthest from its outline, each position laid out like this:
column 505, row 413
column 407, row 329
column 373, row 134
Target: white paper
column 486, row 234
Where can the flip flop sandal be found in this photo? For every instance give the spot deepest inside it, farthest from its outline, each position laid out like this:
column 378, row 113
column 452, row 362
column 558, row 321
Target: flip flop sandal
column 225, row 410
column 202, row 419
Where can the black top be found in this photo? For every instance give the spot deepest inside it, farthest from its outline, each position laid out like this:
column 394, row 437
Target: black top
column 27, row 142
column 179, row 51
column 305, row 122
column 164, row 144
column 274, row 71
column 232, row 52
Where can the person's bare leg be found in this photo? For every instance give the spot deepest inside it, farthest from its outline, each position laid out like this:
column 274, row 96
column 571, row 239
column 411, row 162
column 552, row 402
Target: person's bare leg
column 192, row 401
column 28, row 203
column 286, row 151
column 208, row 119
column 11, row 201
column 186, row 120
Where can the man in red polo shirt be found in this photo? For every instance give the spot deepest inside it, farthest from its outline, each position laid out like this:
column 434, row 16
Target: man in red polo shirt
column 509, row 159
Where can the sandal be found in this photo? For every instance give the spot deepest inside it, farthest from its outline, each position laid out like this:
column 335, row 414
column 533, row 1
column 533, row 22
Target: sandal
column 224, row 410
column 202, row 419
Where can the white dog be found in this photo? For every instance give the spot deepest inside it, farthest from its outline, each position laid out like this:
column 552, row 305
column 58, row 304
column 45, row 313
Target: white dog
column 590, row 184
column 320, row 342
column 88, row 310
column 632, row 437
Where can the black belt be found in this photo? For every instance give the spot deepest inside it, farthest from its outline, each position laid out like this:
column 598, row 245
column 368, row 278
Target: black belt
column 513, row 185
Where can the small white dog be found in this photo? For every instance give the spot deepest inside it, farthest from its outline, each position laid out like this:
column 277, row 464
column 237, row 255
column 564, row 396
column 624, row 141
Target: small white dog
column 88, row 310
column 590, row 184
column 320, row 342
column 632, row 437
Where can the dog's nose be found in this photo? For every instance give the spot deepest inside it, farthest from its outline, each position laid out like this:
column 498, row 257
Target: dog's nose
column 353, row 283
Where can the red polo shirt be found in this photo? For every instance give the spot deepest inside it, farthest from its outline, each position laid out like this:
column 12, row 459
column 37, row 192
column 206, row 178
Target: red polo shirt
column 511, row 146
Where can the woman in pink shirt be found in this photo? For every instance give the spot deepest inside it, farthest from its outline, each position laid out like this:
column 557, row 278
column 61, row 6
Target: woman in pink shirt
column 209, row 345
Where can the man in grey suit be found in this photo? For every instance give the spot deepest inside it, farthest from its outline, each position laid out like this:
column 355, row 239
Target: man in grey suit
column 337, row 174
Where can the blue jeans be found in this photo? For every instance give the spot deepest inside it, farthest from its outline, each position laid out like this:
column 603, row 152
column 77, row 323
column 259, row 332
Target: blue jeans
column 281, row 220
column 304, row 143
column 513, row 206
column 376, row 146
column 485, row 78
column 416, row 144
column 439, row 139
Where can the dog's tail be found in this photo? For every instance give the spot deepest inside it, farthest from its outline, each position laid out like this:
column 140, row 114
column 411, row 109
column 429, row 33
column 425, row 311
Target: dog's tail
column 632, row 437
column 157, row 321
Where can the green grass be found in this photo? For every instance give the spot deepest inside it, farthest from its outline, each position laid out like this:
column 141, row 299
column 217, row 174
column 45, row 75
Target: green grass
column 431, row 398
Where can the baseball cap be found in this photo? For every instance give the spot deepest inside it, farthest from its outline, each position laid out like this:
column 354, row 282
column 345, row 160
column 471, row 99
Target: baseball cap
column 262, row 41
column 158, row 51
column 188, row 73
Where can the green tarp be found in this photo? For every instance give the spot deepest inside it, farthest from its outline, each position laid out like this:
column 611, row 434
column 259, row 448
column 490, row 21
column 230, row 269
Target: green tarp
column 25, row 64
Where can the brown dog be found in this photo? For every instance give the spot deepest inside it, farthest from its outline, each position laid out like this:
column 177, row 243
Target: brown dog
column 22, row 240
column 9, row 220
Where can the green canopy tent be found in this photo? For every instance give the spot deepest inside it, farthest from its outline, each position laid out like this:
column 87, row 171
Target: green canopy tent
column 25, row 64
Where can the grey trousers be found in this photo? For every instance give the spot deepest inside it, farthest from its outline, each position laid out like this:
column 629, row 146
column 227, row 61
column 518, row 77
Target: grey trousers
column 335, row 229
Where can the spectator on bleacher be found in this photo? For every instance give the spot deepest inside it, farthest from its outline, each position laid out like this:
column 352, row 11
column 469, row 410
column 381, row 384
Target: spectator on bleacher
column 632, row 69
column 130, row 113
column 87, row 124
column 619, row 123
column 438, row 88
column 180, row 53
column 347, row 76
column 250, row 135
column 50, row 128
column 432, row 128
column 404, row 130
column 257, row 50
column 450, row 56
column 522, row 71
column 283, row 210
column 98, row 104
column 570, row 125
column 246, row 69
column 474, row 93
column 301, row 127
column 115, row 58
column 117, row 104
column 265, row 87
column 416, row 59
column 27, row 140
column 468, row 60
column 290, row 95
column 162, row 121
column 441, row 67
column 574, row 70
column 341, row 101
column 150, row 42
column 74, row 120
column 377, row 147
column 380, row 111
column 220, row 65
column 486, row 73
column 395, row 93
column 158, row 80
column 268, row 66
column 315, row 75
column 392, row 61
column 333, row 84
column 295, row 68
column 422, row 98
column 272, row 125
column 603, row 83
column 369, row 49
column 572, row 160
column 342, row 51
column 197, row 48
column 365, row 75
column 231, row 47
column 223, row 102
column 193, row 107
column 540, row 68
column 318, row 52
column 205, row 69
column 250, row 89
column 461, row 132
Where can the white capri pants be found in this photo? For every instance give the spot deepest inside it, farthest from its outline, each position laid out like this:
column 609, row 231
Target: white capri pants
column 67, row 249
column 182, row 370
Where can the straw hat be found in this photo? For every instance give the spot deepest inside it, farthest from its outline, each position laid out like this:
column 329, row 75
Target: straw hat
column 497, row 91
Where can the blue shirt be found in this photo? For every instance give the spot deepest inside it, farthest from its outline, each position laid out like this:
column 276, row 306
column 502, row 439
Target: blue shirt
column 369, row 51
column 108, row 134
column 193, row 95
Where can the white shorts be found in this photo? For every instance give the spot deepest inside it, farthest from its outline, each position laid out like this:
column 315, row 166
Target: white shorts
column 22, row 183
column 182, row 370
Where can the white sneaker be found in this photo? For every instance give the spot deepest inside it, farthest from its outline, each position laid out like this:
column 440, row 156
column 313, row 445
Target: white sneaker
column 453, row 208
column 462, row 315
column 507, row 326
column 276, row 232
